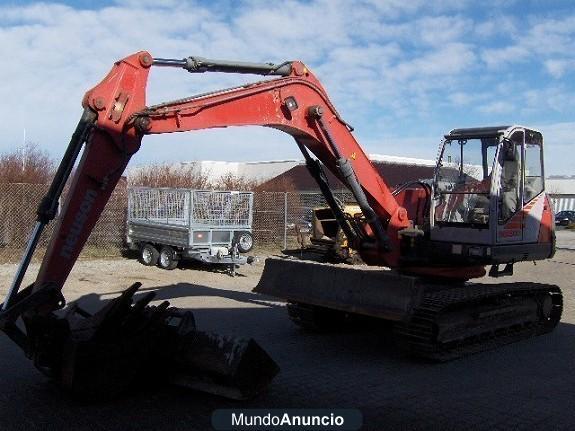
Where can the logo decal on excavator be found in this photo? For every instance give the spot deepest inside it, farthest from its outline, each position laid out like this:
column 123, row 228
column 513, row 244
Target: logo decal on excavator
column 78, row 224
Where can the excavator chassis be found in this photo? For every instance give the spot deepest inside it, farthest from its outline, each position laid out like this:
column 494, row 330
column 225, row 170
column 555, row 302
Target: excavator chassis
column 432, row 319
column 127, row 342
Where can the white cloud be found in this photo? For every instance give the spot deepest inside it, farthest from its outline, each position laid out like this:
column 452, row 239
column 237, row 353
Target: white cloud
column 559, row 141
column 449, row 59
column 392, row 67
column 558, row 68
column 550, row 36
column 556, row 99
column 500, row 57
column 560, row 134
column 499, row 107
column 545, row 41
column 460, row 99
column 498, row 24
column 442, row 29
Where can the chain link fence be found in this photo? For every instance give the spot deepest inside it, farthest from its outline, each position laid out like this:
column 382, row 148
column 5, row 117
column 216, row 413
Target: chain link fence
column 276, row 214
column 18, row 204
column 275, row 217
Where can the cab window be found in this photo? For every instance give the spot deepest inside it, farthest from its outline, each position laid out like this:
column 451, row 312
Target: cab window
column 533, row 166
column 510, row 200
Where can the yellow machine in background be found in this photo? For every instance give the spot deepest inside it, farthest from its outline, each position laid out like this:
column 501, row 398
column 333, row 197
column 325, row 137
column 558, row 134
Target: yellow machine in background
column 327, row 235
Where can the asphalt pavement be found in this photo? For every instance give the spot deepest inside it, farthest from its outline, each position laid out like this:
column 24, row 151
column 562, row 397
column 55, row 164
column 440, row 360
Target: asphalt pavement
column 565, row 238
column 528, row 385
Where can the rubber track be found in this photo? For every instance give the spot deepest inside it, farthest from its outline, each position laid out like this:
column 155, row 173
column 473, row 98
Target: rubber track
column 316, row 319
column 302, row 315
column 418, row 336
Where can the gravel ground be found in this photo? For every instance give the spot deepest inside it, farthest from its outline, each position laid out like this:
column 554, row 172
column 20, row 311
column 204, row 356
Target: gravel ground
column 528, row 385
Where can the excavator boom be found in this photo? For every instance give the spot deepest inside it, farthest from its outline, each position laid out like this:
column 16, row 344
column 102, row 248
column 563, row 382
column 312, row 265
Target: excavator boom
column 116, row 118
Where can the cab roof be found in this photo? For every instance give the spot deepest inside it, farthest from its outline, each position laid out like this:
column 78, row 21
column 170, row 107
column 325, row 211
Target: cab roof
column 478, row 131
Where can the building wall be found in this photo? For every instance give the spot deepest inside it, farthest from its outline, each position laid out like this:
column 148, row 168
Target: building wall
column 560, row 186
column 399, row 160
column 562, row 192
column 563, row 202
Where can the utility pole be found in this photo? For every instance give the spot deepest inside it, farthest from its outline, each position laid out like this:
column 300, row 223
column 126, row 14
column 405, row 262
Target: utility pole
column 24, row 151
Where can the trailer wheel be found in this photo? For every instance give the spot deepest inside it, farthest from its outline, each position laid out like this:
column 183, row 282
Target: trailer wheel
column 149, row 255
column 245, row 241
column 168, row 259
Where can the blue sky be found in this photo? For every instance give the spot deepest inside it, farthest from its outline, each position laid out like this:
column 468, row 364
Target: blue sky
column 401, row 72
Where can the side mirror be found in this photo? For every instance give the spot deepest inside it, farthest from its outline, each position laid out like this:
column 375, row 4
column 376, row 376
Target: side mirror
column 509, row 150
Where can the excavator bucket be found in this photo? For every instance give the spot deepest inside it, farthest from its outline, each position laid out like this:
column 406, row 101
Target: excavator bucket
column 128, row 343
column 233, row 368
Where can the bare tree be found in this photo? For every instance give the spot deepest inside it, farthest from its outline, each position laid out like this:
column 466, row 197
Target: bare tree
column 166, row 175
column 26, row 165
column 231, row 181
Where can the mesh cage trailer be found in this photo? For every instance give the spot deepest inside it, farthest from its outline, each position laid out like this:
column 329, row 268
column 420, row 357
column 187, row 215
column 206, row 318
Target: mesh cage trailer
column 169, row 224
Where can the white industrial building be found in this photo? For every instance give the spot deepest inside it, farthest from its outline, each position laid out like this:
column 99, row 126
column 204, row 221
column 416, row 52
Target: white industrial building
column 253, row 171
column 562, row 192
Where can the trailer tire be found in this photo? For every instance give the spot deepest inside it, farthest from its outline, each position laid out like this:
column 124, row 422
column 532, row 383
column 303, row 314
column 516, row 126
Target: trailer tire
column 244, row 240
column 168, row 258
column 149, row 255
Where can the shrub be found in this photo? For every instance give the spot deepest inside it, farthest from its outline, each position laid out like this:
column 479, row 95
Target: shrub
column 26, row 165
column 166, row 175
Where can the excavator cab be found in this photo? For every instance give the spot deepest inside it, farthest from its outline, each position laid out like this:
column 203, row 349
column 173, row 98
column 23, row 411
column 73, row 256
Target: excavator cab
column 489, row 204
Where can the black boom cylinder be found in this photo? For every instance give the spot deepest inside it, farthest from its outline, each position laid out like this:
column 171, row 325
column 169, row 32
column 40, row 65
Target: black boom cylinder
column 201, row 64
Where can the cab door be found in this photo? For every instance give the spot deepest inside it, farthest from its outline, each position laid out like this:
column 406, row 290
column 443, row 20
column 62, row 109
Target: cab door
column 510, row 194
column 534, row 200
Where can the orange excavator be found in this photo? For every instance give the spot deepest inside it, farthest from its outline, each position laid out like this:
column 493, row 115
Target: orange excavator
column 423, row 241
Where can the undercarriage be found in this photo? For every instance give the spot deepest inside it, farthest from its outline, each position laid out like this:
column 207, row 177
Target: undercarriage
column 438, row 320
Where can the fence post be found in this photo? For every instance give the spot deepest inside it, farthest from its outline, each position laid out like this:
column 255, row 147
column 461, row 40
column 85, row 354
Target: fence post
column 285, row 219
